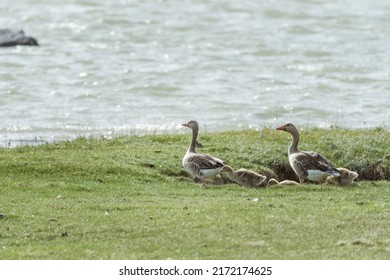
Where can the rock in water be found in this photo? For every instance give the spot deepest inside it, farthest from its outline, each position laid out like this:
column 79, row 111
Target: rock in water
column 9, row 38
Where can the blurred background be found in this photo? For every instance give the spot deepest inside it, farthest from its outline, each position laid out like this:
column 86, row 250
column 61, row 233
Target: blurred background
column 108, row 68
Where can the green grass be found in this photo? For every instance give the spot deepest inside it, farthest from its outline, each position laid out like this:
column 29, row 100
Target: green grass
column 129, row 198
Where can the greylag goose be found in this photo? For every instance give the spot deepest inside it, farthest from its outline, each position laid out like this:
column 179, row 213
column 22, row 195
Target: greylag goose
column 307, row 165
column 346, row 177
column 199, row 166
column 272, row 182
column 245, row 177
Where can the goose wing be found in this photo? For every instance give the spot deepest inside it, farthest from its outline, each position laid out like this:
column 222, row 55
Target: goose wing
column 203, row 161
column 315, row 161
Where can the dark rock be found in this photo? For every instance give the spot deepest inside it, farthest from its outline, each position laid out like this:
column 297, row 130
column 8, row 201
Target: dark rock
column 9, row 38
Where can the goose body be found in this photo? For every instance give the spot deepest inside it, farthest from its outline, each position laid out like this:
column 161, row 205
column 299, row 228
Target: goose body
column 307, row 165
column 200, row 166
column 245, row 177
column 346, row 177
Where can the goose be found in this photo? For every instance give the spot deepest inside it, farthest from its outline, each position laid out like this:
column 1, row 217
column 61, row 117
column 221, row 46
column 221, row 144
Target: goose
column 272, row 182
column 200, row 166
column 244, row 177
column 346, row 177
column 307, row 165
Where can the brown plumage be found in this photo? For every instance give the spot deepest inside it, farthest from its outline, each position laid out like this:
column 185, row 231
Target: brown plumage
column 307, row 165
column 273, row 182
column 200, row 166
column 245, row 177
column 346, row 177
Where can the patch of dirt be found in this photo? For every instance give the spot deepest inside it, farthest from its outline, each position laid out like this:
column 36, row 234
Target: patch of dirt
column 284, row 172
column 373, row 171
column 368, row 171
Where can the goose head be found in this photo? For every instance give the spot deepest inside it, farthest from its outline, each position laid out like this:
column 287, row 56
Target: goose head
column 288, row 127
column 191, row 124
column 351, row 175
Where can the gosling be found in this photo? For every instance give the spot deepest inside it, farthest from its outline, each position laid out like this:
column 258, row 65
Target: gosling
column 245, row 177
column 273, row 182
column 346, row 177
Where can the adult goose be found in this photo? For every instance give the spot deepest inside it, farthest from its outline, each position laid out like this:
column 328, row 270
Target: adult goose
column 200, row 166
column 245, row 177
column 307, row 165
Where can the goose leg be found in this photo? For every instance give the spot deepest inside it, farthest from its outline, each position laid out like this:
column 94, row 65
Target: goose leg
column 204, row 182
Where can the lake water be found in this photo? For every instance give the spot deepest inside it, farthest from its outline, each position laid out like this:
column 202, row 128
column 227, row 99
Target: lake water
column 107, row 68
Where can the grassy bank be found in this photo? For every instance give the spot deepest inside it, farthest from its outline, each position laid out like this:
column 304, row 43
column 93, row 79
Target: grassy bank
column 129, row 198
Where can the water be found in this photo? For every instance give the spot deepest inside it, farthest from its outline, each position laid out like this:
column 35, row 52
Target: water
column 107, row 68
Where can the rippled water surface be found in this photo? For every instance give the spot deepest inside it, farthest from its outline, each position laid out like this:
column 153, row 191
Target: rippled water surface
column 129, row 66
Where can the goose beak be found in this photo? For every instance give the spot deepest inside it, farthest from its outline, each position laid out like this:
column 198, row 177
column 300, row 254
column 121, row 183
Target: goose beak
column 281, row 127
column 185, row 124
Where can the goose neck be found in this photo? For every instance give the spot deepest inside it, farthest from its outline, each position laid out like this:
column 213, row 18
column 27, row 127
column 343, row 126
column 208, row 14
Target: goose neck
column 191, row 148
column 294, row 144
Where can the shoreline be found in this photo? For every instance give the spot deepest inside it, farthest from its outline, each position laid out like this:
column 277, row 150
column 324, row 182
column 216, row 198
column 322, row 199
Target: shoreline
column 354, row 149
column 12, row 142
column 29, row 138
